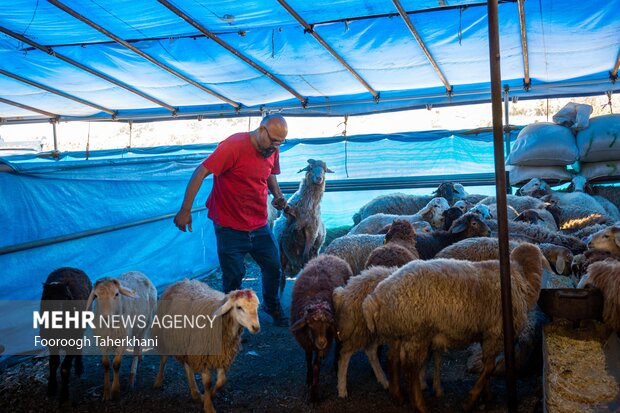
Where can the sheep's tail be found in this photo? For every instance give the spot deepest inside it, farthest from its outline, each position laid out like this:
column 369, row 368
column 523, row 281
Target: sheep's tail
column 357, row 218
column 370, row 309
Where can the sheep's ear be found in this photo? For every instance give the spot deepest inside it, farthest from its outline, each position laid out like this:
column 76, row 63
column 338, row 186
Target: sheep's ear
column 311, row 161
column 91, row 298
column 329, row 171
column 299, row 325
column 307, row 168
column 337, row 297
column 126, row 291
column 458, row 228
column 560, row 265
column 226, row 307
column 385, row 229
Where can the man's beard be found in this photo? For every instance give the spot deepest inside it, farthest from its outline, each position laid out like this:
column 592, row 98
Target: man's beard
column 266, row 153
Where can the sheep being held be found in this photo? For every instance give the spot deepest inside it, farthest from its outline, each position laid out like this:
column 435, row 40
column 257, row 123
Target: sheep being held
column 456, row 303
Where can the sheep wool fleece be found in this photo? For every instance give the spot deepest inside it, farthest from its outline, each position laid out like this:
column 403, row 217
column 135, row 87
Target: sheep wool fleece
column 238, row 199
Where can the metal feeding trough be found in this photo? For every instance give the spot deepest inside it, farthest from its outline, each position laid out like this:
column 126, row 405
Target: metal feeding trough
column 581, row 371
column 574, row 304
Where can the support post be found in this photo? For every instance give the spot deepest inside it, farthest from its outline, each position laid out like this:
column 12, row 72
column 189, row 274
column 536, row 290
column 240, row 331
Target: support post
column 54, row 122
column 502, row 215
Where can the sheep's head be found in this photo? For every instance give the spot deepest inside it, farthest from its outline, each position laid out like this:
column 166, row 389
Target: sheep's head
column 607, row 239
column 470, row 225
column 482, row 210
column 459, row 191
column 242, row 305
column 559, row 257
column 532, row 262
column 315, row 171
column 450, row 215
column 579, row 183
column 400, row 230
column 433, row 211
column 531, row 216
column 318, row 324
column 56, row 291
column 535, row 187
column 107, row 292
column 462, row 205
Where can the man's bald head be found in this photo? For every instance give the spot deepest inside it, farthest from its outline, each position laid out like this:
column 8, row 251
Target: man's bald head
column 276, row 124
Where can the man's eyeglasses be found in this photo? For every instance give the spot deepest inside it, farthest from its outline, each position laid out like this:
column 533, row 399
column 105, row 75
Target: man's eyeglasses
column 274, row 142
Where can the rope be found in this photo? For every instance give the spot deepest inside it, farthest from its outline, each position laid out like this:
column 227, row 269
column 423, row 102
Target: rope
column 346, row 142
column 130, row 133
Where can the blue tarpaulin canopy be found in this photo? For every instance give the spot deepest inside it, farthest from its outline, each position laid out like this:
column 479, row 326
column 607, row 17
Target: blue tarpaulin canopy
column 144, row 60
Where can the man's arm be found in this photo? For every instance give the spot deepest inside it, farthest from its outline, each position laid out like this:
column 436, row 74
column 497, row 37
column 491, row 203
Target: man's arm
column 184, row 216
column 279, row 202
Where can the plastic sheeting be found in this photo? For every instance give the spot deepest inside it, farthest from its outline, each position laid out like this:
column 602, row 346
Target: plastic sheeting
column 48, row 198
column 573, row 46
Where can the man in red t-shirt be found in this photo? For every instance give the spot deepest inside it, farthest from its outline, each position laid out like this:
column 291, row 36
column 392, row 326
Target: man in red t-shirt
column 244, row 166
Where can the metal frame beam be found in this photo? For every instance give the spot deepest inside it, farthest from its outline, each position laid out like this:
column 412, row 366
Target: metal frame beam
column 327, row 47
column 57, row 92
column 614, row 73
column 29, row 108
column 527, row 83
column 231, row 49
column 139, row 52
column 427, row 53
column 79, row 65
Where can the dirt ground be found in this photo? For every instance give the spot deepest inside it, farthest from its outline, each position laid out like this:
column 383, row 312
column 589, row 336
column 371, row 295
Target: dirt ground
column 267, row 376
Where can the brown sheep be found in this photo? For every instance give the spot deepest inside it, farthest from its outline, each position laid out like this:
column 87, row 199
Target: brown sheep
column 312, row 311
column 605, row 275
column 399, row 247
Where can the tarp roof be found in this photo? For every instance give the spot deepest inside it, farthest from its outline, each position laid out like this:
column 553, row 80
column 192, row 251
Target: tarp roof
column 263, row 57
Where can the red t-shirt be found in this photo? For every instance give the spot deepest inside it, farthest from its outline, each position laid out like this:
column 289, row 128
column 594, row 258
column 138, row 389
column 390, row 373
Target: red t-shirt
column 238, row 199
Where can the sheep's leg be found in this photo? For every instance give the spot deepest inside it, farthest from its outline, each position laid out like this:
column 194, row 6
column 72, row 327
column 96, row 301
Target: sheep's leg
column 221, row 380
column 417, row 398
column 191, row 381
column 137, row 355
column 116, row 365
column 316, row 369
column 372, row 354
column 106, row 376
column 65, row 373
column 207, row 404
column 159, row 380
column 437, row 374
column 308, row 368
column 481, row 383
column 343, row 365
column 393, row 358
column 52, row 384
column 337, row 351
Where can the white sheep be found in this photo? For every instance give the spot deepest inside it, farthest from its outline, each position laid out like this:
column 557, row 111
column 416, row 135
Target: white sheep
column 607, row 239
column 351, row 326
column 133, row 296
column 202, row 349
column 446, row 303
column 519, row 203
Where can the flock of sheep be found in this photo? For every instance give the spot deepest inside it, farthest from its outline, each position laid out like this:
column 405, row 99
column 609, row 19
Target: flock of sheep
column 418, row 274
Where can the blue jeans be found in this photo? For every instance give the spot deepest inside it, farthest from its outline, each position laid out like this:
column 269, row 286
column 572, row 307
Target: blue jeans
column 233, row 245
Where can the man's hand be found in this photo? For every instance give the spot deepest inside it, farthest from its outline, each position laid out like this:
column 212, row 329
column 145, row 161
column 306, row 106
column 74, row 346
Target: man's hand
column 279, row 203
column 183, row 218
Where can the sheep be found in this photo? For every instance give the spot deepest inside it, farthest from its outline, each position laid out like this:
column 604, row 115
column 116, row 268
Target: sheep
column 607, row 239
column 456, row 303
column 482, row 210
column 60, row 290
column 351, row 327
column 510, row 211
column 355, row 249
column 610, row 193
column 403, row 204
column 578, row 209
column 540, row 217
column 519, row 203
column 467, row 226
column 133, row 295
column 431, row 213
column 299, row 232
column 538, row 234
column 605, row 275
column 398, row 249
column 558, row 256
column 312, row 312
column 375, row 224
column 580, row 184
column 581, row 262
column 203, row 349
column 588, row 231
column 450, row 215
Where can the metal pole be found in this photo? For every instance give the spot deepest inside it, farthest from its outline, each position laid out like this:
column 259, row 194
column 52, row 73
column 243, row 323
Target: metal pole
column 55, row 140
column 502, row 216
column 507, row 132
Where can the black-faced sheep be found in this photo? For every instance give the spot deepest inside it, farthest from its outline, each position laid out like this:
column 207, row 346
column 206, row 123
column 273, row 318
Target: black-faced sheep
column 204, row 349
column 299, row 231
column 581, row 262
column 605, row 275
column 456, row 303
column 450, row 215
column 131, row 295
column 402, row 204
column 398, row 249
column 351, row 326
column 312, row 311
column 467, row 226
column 62, row 287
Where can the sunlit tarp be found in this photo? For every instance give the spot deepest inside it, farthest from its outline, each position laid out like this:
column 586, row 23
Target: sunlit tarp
column 573, row 47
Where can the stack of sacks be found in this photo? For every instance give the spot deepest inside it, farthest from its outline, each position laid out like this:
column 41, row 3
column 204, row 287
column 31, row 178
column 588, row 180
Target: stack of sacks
column 542, row 150
column 599, row 148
